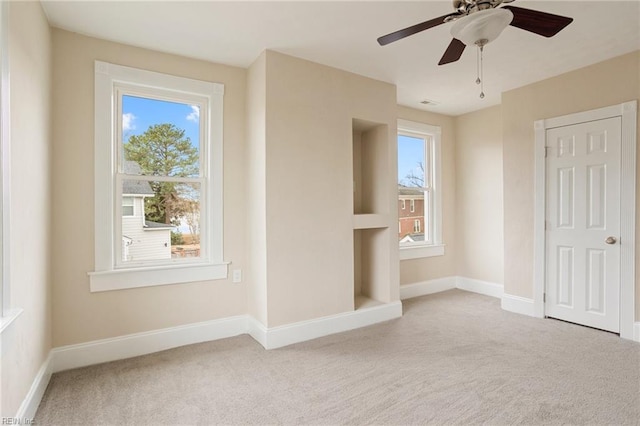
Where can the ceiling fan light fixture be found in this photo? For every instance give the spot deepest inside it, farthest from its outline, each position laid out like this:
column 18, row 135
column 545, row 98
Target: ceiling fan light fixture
column 482, row 26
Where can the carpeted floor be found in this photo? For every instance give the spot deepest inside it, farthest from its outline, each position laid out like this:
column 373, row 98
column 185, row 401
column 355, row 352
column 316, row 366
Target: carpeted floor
column 453, row 358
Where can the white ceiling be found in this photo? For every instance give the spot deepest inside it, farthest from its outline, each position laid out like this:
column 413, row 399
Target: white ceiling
column 343, row 35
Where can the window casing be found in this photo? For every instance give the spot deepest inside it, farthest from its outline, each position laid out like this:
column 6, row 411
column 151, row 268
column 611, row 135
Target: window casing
column 8, row 313
column 428, row 198
column 114, row 268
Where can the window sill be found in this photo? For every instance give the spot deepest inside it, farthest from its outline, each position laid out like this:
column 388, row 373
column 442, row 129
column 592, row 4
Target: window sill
column 418, row 252
column 6, row 320
column 121, row 279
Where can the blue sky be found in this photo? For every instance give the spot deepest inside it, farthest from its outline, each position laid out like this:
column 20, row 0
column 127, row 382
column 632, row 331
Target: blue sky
column 140, row 113
column 410, row 152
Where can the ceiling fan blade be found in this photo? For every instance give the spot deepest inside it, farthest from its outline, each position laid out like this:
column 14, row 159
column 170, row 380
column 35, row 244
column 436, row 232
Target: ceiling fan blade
column 414, row 29
column 453, row 52
column 541, row 23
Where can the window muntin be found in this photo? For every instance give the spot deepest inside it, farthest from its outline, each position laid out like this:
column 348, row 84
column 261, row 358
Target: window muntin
column 418, row 176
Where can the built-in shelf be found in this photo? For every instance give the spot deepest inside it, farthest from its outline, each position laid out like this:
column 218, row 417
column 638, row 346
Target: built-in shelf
column 363, row 302
column 372, row 235
column 370, row 167
column 370, row 221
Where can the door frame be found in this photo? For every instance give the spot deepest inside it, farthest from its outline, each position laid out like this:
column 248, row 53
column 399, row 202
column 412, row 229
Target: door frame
column 628, row 113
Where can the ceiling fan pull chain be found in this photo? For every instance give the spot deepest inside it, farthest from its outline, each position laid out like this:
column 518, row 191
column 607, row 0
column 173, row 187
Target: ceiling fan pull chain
column 478, row 65
column 481, row 72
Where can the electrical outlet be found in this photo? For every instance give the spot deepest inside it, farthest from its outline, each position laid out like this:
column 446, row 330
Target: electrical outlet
column 237, row 275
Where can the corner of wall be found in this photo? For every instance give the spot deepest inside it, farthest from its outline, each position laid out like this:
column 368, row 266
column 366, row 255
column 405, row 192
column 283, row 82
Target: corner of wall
column 30, row 65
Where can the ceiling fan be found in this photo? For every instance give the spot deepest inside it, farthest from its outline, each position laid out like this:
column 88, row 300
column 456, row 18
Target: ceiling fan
column 481, row 21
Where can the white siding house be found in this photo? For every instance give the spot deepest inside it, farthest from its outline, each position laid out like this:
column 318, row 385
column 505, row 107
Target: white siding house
column 141, row 239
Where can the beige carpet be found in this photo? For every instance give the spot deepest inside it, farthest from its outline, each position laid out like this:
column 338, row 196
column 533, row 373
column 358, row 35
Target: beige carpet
column 453, row 358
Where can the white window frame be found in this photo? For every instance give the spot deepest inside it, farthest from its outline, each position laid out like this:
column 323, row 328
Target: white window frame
column 109, row 274
column 433, row 246
column 154, row 93
column 404, row 204
column 412, row 205
column 8, row 313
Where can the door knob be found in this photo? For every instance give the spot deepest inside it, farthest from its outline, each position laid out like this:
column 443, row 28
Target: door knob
column 610, row 240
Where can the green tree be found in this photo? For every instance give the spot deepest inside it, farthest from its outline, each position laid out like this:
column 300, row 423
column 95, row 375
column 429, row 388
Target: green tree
column 176, row 238
column 163, row 150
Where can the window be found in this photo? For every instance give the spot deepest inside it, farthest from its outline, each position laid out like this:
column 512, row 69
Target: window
column 404, row 204
column 8, row 313
column 127, row 206
column 420, row 231
column 158, row 161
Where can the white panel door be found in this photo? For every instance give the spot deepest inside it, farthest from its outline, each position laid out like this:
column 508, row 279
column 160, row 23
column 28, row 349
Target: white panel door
column 583, row 224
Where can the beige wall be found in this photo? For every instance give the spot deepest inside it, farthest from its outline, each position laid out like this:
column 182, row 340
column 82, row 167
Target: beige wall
column 256, row 190
column 309, row 175
column 418, row 270
column 26, row 343
column 603, row 84
column 78, row 315
column 479, row 217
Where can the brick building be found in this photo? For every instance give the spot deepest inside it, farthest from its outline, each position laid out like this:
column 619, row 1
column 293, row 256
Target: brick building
column 410, row 213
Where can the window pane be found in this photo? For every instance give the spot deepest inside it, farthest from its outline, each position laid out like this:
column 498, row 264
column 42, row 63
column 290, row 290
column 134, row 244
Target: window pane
column 411, row 183
column 161, row 137
column 411, row 161
column 165, row 223
column 127, row 206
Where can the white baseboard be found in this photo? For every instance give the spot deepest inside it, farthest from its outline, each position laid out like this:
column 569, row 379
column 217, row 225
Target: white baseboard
column 99, row 351
column 131, row 345
column 481, row 287
column 427, row 287
column 277, row 337
column 257, row 330
column 443, row 284
column 31, row 402
column 84, row 354
column 518, row 305
column 524, row 306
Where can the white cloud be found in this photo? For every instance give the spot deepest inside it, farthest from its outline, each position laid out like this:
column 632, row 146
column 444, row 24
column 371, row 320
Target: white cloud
column 127, row 122
column 194, row 115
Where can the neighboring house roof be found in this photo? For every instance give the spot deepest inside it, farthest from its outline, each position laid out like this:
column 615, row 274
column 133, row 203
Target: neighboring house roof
column 412, row 238
column 406, row 190
column 135, row 187
column 155, row 225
